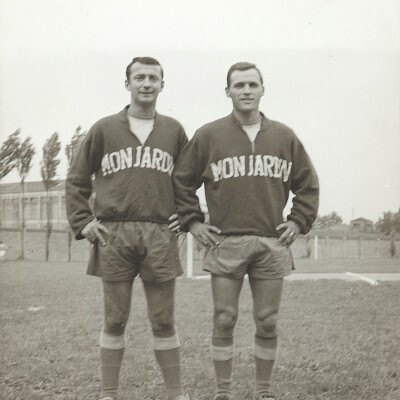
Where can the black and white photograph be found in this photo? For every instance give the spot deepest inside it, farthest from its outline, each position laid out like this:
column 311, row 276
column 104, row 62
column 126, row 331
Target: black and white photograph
column 200, row 200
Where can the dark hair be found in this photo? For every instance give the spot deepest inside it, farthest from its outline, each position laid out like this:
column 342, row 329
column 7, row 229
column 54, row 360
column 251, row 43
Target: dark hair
column 241, row 66
column 143, row 60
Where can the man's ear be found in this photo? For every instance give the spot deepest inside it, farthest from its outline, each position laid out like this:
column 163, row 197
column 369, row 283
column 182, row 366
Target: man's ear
column 227, row 92
column 162, row 86
column 127, row 85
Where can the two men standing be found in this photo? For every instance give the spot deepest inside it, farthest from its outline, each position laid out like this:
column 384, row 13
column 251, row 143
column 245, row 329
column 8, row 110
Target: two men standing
column 248, row 165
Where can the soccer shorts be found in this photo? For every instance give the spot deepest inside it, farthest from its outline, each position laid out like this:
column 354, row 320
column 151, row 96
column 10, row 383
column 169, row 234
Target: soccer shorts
column 147, row 249
column 258, row 256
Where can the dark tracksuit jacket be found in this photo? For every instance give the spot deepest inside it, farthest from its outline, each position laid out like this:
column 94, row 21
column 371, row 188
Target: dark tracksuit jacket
column 132, row 182
column 246, row 187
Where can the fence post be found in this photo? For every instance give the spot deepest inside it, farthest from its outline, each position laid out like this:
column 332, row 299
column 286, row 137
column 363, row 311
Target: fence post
column 328, row 251
column 189, row 255
column 39, row 210
column 344, row 246
column 378, row 246
column 316, row 247
column 20, row 200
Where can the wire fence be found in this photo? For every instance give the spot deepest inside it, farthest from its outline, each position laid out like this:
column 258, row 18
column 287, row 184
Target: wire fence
column 191, row 251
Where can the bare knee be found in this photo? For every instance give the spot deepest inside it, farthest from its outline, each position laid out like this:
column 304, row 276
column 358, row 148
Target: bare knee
column 117, row 298
column 162, row 319
column 115, row 324
column 225, row 320
column 162, row 327
column 266, row 322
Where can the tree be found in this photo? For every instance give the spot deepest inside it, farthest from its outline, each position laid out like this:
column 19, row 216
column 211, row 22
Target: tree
column 48, row 170
column 326, row 221
column 25, row 153
column 70, row 150
column 390, row 222
column 8, row 153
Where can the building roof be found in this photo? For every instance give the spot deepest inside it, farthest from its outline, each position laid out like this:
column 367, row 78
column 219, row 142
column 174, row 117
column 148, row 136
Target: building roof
column 361, row 220
column 30, row 187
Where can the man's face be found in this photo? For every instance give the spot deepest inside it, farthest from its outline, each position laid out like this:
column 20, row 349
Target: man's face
column 245, row 90
column 145, row 83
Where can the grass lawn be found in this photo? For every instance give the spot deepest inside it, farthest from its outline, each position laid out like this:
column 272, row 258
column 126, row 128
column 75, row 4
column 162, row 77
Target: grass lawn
column 368, row 265
column 335, row 265
column 338, row 340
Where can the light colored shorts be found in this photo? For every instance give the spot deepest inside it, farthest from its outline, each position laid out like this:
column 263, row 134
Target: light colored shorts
column 258, row 256
column 147, row 249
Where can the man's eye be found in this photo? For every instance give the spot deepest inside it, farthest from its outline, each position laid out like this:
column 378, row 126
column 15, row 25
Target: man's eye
column 254, row 85
column 239, row 85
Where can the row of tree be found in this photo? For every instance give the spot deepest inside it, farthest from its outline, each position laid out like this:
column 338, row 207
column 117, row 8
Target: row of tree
column 389, row 223
column 16, row 153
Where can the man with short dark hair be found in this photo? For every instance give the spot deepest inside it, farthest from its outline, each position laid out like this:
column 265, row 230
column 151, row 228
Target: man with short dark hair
column 131, row 155
column 248, row 165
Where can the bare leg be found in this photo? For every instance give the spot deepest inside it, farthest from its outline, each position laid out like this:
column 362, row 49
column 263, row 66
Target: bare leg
column 117, row 301
column 160, row 302
column 267, row 297
column 226, row 294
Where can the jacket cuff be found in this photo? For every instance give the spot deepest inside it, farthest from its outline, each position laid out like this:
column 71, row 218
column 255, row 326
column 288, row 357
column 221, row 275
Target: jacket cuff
column 186, row 220
column 299, row 221
column 77, row 229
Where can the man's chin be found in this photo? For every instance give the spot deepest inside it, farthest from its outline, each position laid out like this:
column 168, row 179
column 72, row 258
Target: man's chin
column 247, row 109
column 146, row 101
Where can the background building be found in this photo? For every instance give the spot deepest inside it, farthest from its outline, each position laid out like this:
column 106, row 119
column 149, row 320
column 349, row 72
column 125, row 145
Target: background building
column 362, row 225
column 36, row 200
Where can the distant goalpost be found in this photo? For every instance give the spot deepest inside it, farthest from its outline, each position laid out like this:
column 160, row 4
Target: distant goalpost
column 189, row 255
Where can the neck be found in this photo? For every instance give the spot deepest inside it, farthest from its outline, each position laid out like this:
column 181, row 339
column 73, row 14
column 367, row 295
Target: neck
column 251, row 117
column 139, row 111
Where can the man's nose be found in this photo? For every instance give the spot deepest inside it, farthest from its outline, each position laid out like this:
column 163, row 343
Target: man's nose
column 146, row 82
column 247, row 88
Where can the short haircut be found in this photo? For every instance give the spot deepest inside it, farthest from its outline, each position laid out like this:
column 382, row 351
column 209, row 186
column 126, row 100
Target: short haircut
column 143, row 60
column 242, row 66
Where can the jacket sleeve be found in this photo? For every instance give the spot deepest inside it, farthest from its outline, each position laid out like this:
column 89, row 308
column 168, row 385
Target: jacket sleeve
column 305, row 188
column 187, row 179
column 182, row 140
column 79, row 181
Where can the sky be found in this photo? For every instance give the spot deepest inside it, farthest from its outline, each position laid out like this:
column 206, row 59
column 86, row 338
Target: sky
column 330, row 68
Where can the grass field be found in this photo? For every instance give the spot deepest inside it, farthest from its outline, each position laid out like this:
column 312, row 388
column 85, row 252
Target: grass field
column 338, row 340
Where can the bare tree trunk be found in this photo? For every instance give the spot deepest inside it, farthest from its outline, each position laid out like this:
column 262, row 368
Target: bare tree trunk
column 22, row 256
column 392, row 243
column 308, row 248
column 48, row 226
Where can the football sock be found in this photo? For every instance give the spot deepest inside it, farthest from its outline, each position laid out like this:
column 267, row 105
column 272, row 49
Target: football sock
column 111, row 355
column 222, row 354
column 264, row 354
column 167, row 353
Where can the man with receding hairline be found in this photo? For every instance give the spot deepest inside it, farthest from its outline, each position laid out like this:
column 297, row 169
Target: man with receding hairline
column 248, row 165
column 132, row 155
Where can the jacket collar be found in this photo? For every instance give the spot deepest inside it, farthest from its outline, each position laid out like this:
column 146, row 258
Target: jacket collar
column 123, row 115
column 264, row 121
